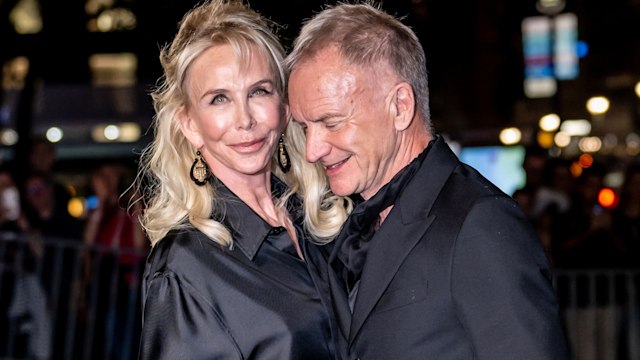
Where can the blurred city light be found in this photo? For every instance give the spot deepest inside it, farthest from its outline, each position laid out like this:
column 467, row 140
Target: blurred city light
column 123, row 132
column 75, row 207
column 562, row 139
column 550, row 7
column 590, row 144
column 113, row 69
column 9, row 137
column 578, row 127
column 582, row 49
column 545, row 139
column 607, row 198
column 576, row 169
column 116, row 19
column 638, row 89
column 129, row 132
column 54, row 134
column 565, row 54
column 540, row 88
column 633, row 144
column 26, row 17
column 111, row 132
column 549, row 122
column 585, row 161
column 537, row 50
column 510, row 136
column 598, row 105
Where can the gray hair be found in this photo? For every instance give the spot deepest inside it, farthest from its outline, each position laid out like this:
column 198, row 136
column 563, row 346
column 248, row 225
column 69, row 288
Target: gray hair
column 365, row 35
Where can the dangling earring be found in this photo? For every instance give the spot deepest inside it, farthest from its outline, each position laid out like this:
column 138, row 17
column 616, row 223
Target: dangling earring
column 283, row 156
column 199, row 170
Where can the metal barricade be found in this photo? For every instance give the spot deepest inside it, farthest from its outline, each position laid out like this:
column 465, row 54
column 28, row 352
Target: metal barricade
column 601, row 312
column 62, row 299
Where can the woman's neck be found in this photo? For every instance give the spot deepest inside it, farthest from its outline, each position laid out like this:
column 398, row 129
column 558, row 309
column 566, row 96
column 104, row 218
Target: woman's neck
column 255, row 191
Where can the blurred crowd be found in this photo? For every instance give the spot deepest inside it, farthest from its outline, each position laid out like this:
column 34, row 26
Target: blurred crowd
column 83, row 266
column 85, row 269
column 582, row 223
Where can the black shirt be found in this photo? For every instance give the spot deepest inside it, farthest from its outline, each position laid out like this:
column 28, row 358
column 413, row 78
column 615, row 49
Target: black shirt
column 254, row 301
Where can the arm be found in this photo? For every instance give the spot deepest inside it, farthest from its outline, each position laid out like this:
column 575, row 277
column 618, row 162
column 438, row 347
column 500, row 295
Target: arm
column 179, row 324
column 501, row 285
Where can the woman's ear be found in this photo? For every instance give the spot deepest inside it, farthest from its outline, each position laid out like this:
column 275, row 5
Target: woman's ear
column 402, row 105
column 189, row 127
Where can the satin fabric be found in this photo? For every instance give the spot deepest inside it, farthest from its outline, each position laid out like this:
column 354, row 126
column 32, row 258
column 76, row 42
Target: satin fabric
column 254, row 301
column 357, row 231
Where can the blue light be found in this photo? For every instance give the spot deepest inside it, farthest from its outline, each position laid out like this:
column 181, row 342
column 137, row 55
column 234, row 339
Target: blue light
column 91, row 202
column 582, row 49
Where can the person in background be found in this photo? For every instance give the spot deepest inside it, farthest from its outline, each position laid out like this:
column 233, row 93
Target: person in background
column 226, row 278
column 583, row 241
column 436, row 262
column 113, row 265
column 58, row 236
column 11, row 217
column 626, row 216
column 626, row 229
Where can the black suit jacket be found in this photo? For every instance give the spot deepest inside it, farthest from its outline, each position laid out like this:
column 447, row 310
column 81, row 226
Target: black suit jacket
column 454, row 272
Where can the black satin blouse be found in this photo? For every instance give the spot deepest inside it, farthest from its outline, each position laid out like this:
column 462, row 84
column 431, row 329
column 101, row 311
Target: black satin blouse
column 255, row 301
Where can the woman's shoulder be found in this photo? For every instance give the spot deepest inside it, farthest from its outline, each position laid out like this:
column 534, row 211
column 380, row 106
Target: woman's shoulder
column 178, row 250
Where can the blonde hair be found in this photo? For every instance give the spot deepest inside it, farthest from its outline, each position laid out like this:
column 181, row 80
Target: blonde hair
column 171, row 200
column 365, row 35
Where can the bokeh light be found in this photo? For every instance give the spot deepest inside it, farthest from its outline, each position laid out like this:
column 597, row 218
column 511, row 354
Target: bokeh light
column 598, row 105
column 607, row 198
column 549, row 122
column 585, row 161
column 510, row 136
column 54, row 134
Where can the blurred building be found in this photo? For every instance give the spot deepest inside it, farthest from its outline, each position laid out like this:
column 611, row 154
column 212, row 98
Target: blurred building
column 81, row 70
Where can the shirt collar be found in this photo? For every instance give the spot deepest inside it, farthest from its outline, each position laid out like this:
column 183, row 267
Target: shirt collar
column 247, row 228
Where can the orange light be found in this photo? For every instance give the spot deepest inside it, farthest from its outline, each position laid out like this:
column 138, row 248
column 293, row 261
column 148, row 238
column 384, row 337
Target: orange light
column 585, row 160
column 607, row 198
column 576, row 169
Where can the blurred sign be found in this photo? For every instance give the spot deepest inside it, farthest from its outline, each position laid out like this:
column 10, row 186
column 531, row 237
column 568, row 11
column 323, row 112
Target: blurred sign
column 550, row 52
column 565, row 47
column 536, row 40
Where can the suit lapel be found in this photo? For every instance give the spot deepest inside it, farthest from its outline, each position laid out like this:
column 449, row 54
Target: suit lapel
column 406, row 224
column 390, row 247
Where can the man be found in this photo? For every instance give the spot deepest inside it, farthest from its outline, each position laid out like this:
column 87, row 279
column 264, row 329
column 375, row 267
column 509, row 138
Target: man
column 436, row 263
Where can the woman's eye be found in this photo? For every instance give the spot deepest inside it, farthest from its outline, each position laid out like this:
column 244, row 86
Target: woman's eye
column 218, row 99
column 259, row 92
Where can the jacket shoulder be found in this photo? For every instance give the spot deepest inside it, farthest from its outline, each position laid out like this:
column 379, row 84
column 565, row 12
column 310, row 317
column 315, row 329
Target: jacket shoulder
column 177, row 249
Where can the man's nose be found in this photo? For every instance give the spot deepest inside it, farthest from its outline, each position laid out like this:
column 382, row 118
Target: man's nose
column 317, row 147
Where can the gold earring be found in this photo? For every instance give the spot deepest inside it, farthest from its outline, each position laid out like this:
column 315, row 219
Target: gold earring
column 283, row 156
column 199, row 170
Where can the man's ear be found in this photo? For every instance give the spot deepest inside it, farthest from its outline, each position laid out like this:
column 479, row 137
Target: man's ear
column 402, row 105
column 189, row 128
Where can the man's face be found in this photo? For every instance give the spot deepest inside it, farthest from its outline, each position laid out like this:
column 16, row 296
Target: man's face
column 345, row 110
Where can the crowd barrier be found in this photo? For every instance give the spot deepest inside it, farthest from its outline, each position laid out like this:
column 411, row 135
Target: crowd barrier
column 61, row 299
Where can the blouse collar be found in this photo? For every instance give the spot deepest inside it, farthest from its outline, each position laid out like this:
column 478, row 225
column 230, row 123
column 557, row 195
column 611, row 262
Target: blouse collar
column 247, row 228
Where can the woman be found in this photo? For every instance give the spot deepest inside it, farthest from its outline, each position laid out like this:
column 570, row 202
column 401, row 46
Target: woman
column 226, row 278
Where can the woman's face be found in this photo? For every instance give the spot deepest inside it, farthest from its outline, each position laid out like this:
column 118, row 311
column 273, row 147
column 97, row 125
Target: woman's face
column 235, row 114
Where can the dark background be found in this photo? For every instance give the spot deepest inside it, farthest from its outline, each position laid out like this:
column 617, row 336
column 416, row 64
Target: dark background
column 474, row 58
